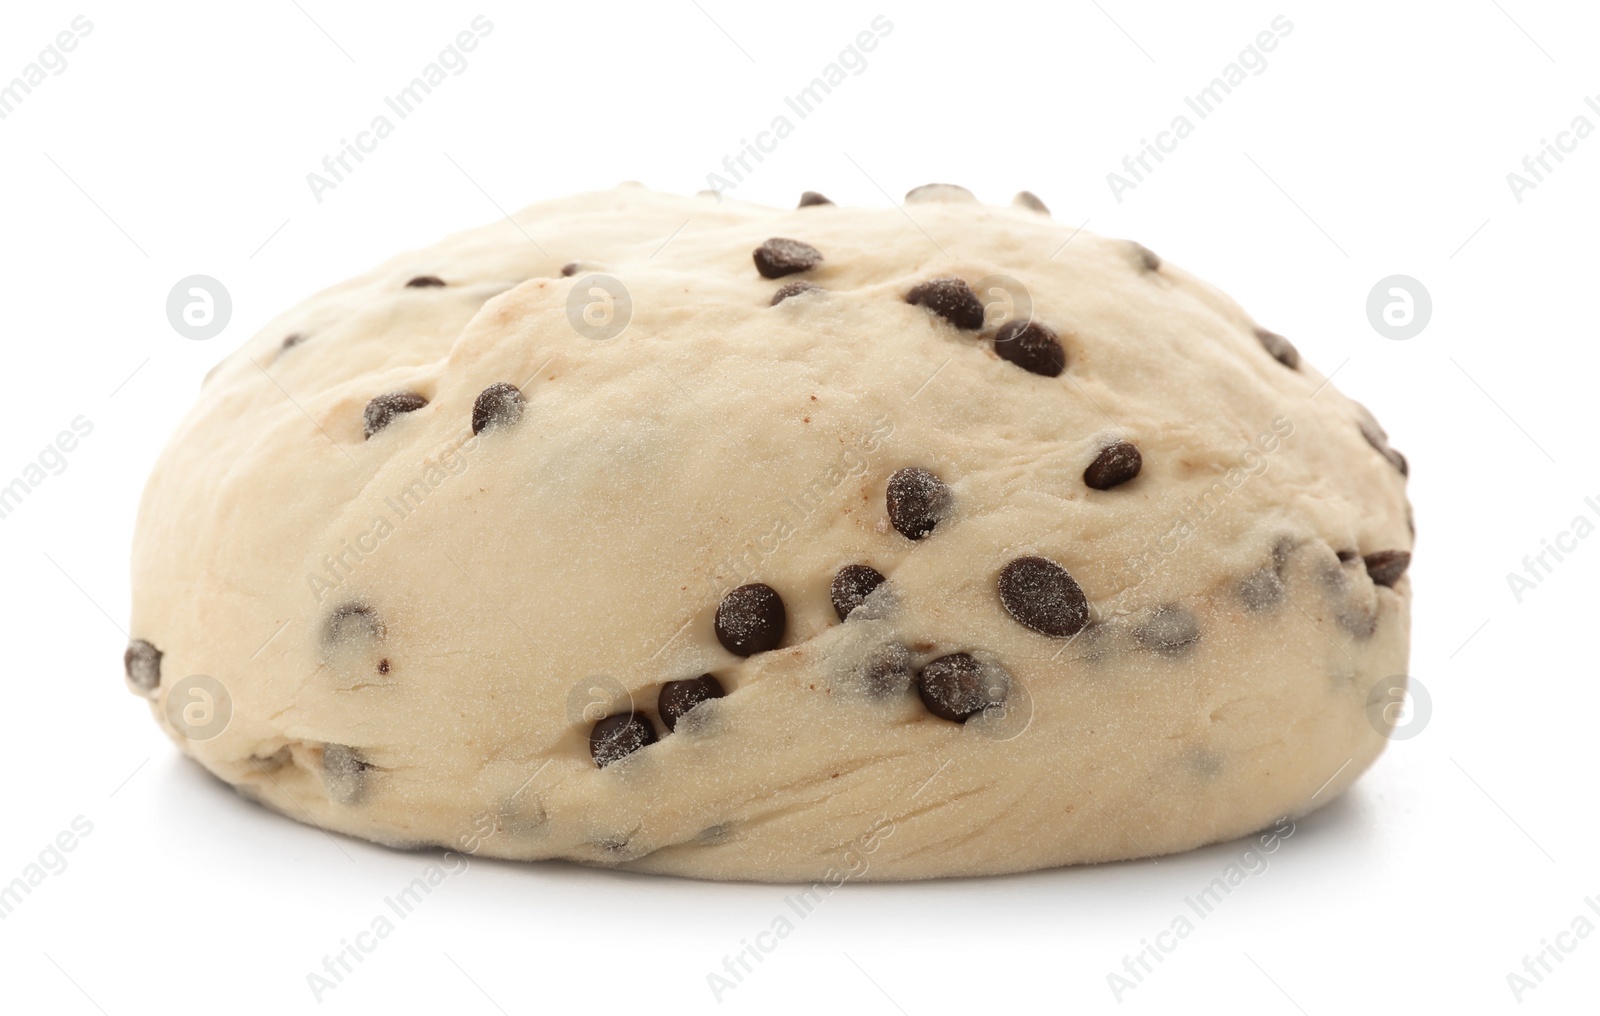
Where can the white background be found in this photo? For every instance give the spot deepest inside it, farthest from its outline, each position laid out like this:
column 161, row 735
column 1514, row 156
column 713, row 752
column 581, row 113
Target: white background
column 1376, row 141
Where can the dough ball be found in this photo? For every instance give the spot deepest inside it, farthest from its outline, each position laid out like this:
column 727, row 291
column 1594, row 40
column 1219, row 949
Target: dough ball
column 718, row 540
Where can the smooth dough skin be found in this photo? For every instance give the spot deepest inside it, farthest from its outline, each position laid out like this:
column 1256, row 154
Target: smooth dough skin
column 1004, row 546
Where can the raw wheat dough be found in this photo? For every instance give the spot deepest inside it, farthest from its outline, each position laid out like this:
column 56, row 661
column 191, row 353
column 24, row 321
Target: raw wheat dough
column 418, row 630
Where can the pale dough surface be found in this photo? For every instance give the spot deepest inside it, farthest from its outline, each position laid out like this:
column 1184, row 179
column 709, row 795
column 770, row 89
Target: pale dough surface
column 719, row 440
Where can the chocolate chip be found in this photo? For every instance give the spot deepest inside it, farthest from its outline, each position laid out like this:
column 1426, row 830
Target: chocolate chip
column 1398, row 460
column 852, row 585
column 1281, row 348
column 272, row 763
column 1380, row 441
column 1261, row 590
column 1358, row 621
column 884, row 670
column 381, row 411
column 810, row 198
column 1332, row 573
column 383, row 666
column 619, row 736
column 1346, row 556
column 951, row 299
column 344, row 770
column 678, row 697
column 1386, row 566
column 1031, row 346
column 352, row 622
column 1281, row 549
column 751, row 619
column 1030, row 200
column 1169, row 630
column 789, row 289
column 424, row 281
column 291, row 341
column 1116, row 464
column 779, row 257
column 1039, row 594
column 958, row 687
column 1149, row 260
column 500, row 404
column 570, row 269
column 141, row 661
column 917, row 500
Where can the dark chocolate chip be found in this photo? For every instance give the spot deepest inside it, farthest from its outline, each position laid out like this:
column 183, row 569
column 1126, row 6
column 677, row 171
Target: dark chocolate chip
column 885, row 670
column 789, row 289
column 751, row 619
column 678, row 697
column 619, row 736
column 1332, row 573
column 1386, row 566
column 1031, row 346
column 383, row 666
column 916, row 500
column 951, row 299
column 1358, row 621
column 1116, row 464
column 344, row 770
column 141, row 661
column 779, row 257
column 1346, row 556
column 291, row 341
column 352, row 622
column 272, row 763
column 1149, row 260
column 424, row 281
column 958, row 687
column 1261, row 590
column 1169, row 630
column 570, row 269
column 500, row 404
column 381, row 411
column 1039, row 594
column 1281, row 348
column 1380, row 441
column 810, row 198
column 1028, row 199
column 852, row 585
column 1281, row 549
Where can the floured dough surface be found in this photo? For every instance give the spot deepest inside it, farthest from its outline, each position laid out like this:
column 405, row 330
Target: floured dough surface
column 536, row 543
